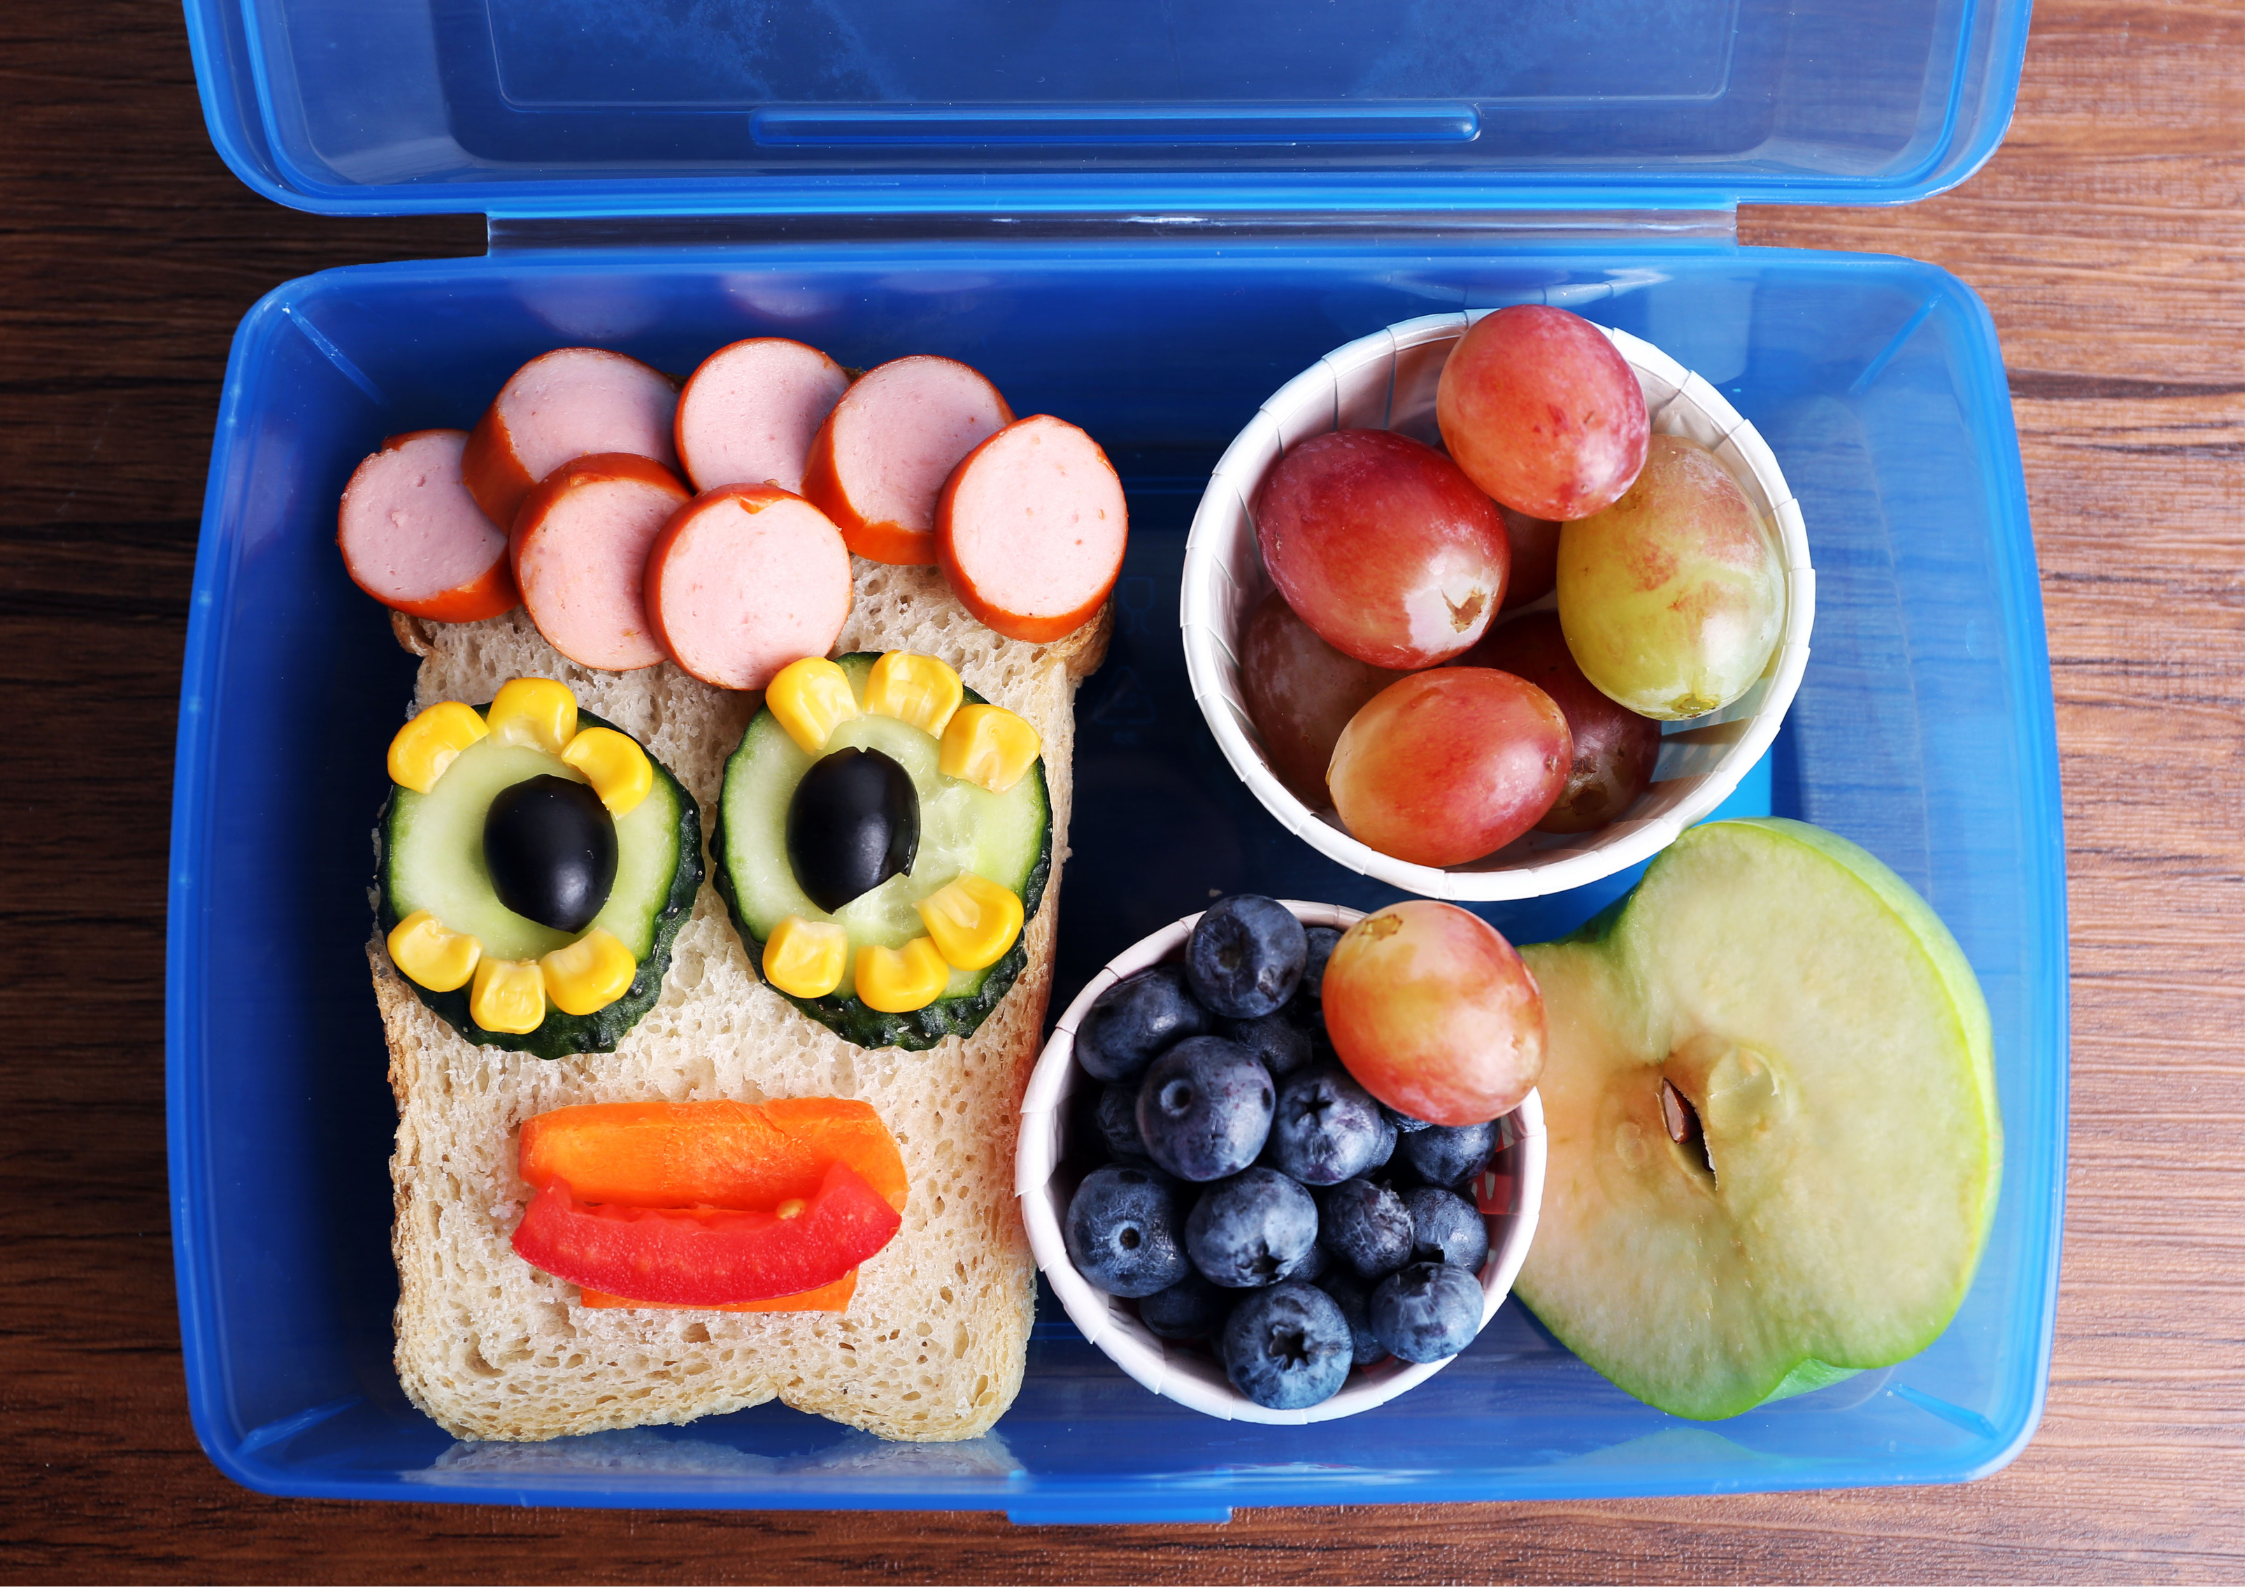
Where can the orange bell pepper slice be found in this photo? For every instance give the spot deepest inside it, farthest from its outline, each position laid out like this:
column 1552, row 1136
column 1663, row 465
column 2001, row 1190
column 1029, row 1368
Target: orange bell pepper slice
column 744, row 1155
column 613, row 1162
column 827, row 1297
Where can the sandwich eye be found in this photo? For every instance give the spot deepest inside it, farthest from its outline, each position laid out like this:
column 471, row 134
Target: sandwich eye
column 521, row 827
column 854, row 823
column 879, row 873
column 550, row 846
column 430, row 954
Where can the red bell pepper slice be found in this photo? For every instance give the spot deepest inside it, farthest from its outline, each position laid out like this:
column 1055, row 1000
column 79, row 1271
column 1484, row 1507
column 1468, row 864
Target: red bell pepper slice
column 706, row 1256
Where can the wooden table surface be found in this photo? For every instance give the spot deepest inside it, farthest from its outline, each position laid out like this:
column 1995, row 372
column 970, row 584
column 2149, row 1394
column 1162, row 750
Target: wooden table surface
column 2106, row 236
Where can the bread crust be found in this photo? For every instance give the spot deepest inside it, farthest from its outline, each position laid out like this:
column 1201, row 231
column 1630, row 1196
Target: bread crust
column 934, row 1342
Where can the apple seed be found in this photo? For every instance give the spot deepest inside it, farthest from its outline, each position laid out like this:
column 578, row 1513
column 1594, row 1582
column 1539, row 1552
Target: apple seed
column 1682, row 1120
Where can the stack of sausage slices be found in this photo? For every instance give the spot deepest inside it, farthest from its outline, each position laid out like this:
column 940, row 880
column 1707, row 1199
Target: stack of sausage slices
column 712, row 524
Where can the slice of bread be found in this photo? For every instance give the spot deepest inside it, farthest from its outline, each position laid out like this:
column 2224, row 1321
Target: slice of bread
column 933, row 1343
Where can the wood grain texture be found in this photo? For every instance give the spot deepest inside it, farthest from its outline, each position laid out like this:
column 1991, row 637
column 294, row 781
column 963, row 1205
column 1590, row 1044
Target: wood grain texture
column 2105, row 236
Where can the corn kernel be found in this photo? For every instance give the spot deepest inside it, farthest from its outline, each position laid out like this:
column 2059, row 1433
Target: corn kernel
column 972, row 920
column 429, row 954
column 614, row 764
column 811, row 698
column 429, row 743
column 535, row 712
column 899, row 980
column 805, row 958
column 508, row 995
column 589, row 974
column 988, row 746
column 916, row 689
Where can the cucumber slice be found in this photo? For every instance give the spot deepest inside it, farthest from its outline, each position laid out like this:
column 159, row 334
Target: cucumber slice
column 1006, row 838
column 430, row 856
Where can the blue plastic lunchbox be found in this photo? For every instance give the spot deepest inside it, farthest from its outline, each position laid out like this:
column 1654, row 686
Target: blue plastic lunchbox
column 1145, row 216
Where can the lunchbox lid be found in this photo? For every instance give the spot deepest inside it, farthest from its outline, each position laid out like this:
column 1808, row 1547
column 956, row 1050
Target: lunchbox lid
column 562, row 108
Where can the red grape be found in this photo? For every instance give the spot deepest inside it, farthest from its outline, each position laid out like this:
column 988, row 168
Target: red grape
column 1382, row 546
column 1301, row 693
column 1615, row 748
column 1542, row 413
column 1447, row 766
column 1433, row 1013
column 1535, row 558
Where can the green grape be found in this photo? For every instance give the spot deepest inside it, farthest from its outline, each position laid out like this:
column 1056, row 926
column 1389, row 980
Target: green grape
column 1673, row 598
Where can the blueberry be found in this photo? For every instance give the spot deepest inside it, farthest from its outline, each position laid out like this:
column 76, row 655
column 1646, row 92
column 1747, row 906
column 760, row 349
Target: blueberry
column 1204, row 1108
column 1253, row 1229
column 1427, row 1312
column 1122, row 1230
column 1117, row 1119
column 1388, row 1138
column 1403, row 1122
column 1320, row 941
column 1307, row 1008
column 1445, row 1227
column 1327, row 1128
column 1450, row 1155
column 1133, row 1020
column 1191, row 1308
column 1354, row 1296
column 1367, row 1226
column 1245, row 956
column 1313, row 1264
column 1280, row 1045
column 1287, row 1347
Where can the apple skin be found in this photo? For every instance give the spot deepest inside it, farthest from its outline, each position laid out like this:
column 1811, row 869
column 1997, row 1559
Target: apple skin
column 1838, row 1052
column 1434, row 1013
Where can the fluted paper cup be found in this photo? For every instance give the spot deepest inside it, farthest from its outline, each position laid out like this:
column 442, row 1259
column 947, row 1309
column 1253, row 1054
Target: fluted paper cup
column 1387, row 381
column 1510, row 1193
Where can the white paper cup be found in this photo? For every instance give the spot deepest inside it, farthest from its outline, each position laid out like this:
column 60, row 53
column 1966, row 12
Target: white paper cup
column 1387, row 381
column 1182, row 1372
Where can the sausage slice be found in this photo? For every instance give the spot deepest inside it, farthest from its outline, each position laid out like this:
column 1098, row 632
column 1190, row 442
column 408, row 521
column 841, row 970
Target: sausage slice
column 881, row 458
column 1031, row 527
column 414, row 539
column 570, row 403
column 748, row 414
column 745, row 579
column 580, row 553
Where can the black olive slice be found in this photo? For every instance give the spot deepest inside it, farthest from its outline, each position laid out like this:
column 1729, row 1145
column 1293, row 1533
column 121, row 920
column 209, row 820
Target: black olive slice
column 853, row 823
column 550, row 845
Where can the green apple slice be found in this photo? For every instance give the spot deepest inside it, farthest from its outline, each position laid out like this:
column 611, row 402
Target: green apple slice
column 1828, row 1063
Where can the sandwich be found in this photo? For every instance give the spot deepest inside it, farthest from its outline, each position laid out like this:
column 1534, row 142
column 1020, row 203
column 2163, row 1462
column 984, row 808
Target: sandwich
column 932, row 1342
